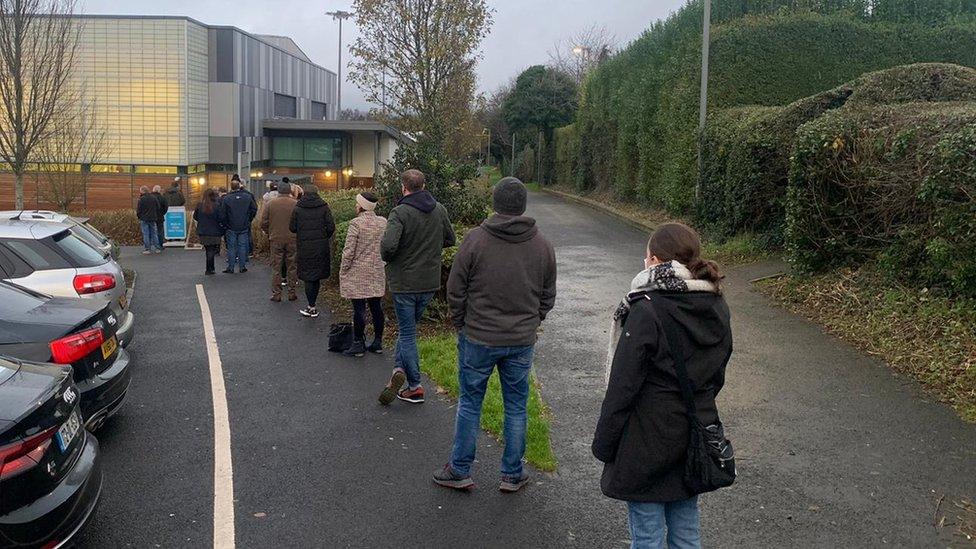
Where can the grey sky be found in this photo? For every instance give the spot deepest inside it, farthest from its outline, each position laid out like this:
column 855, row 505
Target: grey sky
column 523, row 31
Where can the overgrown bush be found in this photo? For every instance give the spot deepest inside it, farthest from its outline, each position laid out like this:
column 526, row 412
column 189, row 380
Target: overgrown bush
column 892, row 184
column 453, row 184
column 566, row 155
column 637, row 122
column 122, row 226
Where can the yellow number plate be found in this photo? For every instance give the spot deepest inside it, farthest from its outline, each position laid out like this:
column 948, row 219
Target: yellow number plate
column 109, row 347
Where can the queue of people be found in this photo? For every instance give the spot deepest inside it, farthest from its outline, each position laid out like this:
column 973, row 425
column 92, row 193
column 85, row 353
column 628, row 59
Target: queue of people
column 669, row 347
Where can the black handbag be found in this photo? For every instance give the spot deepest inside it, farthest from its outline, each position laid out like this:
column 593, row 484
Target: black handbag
column 710, row 463
column 340, row 337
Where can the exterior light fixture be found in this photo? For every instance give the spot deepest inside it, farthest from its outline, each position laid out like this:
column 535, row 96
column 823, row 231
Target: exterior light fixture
column 328, row 173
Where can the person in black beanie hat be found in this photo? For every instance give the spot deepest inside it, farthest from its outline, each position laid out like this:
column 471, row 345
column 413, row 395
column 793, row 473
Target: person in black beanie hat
column 501, row 287
column 509, row 197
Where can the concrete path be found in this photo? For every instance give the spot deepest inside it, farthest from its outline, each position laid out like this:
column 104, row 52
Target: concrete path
column 834, row 449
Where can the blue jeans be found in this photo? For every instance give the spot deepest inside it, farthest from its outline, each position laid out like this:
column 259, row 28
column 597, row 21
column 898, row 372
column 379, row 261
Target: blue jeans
column 409, row 309
column 648, row 521
column 237, row 243
column 161, row 234
column 475, row 364
column 150, row 239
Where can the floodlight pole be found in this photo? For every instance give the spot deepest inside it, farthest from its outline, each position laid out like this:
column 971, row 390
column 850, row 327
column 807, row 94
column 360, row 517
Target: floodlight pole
column 340, row 16
column 703, row 99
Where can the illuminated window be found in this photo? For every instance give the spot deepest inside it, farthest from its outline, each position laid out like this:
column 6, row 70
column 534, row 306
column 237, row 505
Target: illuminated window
column 110, row 168
column 197, row 168
column 157, row 169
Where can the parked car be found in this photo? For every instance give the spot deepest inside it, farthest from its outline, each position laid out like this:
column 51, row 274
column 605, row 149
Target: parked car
column 51, row 259
column 80, row 226
column 50, row 470
column 80, row 333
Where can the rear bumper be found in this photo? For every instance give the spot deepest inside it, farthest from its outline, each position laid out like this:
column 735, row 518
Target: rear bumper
column 127, row 329
column 58, row 516
column 102, row 395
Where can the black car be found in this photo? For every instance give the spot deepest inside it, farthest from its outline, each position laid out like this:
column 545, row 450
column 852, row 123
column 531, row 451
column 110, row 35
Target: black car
column 70, row 331
column 50, row 471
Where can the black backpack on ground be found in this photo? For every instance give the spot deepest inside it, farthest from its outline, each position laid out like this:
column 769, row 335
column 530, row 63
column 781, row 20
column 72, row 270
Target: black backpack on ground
column 340, row 337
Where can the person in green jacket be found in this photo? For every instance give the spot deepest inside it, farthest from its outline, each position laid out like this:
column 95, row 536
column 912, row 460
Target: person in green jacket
column 417, row 230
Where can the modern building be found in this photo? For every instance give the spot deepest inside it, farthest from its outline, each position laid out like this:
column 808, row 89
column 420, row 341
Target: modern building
column 179, row 98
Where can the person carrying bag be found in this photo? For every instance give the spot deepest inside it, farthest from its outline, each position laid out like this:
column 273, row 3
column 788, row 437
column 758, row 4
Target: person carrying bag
column 670, row 344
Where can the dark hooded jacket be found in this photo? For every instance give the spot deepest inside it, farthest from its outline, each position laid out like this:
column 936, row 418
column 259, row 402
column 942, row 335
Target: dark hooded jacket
column 642, row 434
column 161, row 207
column 312, row 223
column 416, row 232
column 503, row 282
column 174, row 197
column 237, row 210
column 147, row 209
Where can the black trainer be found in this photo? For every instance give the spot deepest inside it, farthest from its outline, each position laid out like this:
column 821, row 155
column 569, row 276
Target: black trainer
column 228, row 271
column 513, row 484
column 310, row 312
column 376, row 347
column 447, row 478
column 357, row 350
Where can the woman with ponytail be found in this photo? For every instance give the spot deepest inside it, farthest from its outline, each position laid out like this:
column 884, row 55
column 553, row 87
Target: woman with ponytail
column 675, row 309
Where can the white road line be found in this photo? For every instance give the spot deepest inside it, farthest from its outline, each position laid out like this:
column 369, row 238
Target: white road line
column 223, row 524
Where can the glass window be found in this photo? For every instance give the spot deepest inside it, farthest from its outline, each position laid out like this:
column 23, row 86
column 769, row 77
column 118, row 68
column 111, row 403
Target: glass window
column 37, row 255
column 320, row 111
column 285, row 106
column 81, row 254
column 319, row 150
column 288, row 148
column 157, row 169
column 110, row 168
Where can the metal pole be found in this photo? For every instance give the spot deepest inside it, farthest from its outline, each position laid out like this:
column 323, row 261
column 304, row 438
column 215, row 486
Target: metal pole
column 703, row 99
column 339, row 92
column 512, row 169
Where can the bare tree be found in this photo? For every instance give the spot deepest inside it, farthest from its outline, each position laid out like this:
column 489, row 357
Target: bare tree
column 417, row 58
column 38, row 43
column 354, row 114
column 73, row 140
column 582, row 52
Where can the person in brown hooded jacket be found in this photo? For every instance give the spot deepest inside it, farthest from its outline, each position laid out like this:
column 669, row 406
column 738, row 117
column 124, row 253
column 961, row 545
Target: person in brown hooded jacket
column 275, row 221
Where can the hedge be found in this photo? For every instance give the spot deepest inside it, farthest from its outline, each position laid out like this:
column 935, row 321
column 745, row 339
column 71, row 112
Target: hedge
column 637, row 122
column 746, row 153
column 894, row 185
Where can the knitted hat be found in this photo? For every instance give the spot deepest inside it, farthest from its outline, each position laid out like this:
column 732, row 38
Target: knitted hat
column 509, row 197
column 365, row 203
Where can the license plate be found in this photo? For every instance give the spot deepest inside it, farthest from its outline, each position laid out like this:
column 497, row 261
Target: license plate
column 123, row 301
column 68, row 431
column 109, row 347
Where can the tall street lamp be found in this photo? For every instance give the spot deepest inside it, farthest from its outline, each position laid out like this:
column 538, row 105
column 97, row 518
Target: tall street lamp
column 340, row 16
column 703, row 98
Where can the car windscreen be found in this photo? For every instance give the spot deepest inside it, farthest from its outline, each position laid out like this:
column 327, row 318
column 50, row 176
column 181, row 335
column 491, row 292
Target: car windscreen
column 80, row 253
column 37, row 255
column 86, row 224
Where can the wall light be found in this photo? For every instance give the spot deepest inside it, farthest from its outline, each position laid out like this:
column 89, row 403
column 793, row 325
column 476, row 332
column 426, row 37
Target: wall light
column 328, row 173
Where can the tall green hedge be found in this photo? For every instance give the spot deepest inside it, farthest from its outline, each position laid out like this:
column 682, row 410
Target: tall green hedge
column 637, row 122
column 892, row 184
column 746, row 153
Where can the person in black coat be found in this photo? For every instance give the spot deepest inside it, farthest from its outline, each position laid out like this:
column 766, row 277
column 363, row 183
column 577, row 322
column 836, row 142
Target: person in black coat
column 147, row 211
column 209, row 226
column 161, row 206
column 675, row 306
column 312, row 223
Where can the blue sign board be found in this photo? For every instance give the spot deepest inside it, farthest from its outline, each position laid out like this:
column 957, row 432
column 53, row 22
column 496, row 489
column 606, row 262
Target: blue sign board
column 174, row 227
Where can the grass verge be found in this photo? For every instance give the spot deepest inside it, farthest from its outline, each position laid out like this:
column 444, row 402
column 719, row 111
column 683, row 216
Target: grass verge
column 438, row 359
column 931, row 338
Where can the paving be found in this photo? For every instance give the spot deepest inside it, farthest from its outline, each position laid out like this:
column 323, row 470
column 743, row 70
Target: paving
column 834, row 450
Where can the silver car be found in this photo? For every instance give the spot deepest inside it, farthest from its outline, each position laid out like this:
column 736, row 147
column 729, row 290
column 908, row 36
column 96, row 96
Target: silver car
column 78, row 225
column 50, row 258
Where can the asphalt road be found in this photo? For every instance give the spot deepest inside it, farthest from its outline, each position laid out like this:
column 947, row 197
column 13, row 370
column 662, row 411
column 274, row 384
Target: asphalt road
column 834, row 449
